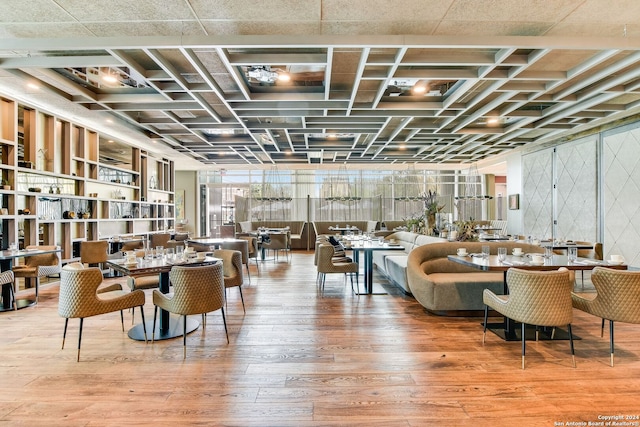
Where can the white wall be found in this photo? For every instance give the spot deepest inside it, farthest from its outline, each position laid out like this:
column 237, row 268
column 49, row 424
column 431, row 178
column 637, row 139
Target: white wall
column 514, row 186
column 597, row 196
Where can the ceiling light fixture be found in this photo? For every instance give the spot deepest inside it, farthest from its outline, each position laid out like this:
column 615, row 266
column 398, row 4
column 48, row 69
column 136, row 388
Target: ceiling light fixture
column 284, row 77
column 419, row 88
column 109, row 78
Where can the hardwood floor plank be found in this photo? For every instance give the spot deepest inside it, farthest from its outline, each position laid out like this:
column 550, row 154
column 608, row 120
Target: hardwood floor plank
column 302, row 358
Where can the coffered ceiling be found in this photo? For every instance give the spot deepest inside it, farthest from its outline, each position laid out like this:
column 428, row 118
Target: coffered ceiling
column 201, row 79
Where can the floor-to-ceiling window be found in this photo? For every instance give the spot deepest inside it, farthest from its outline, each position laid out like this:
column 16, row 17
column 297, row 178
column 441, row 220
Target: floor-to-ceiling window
column 336, row 195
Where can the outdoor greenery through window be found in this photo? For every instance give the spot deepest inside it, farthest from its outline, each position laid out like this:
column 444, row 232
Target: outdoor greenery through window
column 340, row 195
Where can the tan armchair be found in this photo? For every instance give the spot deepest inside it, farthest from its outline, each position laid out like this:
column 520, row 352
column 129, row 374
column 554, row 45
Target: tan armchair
column 81, row 297
column 617, row 299
column 540, row 298
column 197, row 290
column 37, row 266
column 159, row 239
column 232, row 269
column 94, row 252
column 326, row 265
column 242, row 246
column 278, row 242
column 254, row 250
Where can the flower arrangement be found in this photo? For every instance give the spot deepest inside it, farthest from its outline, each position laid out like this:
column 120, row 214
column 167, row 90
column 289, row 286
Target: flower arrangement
column 431, row 206
column 467, row 230
column 415, row 223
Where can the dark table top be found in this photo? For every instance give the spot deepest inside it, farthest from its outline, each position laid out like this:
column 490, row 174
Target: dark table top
column 557, row 261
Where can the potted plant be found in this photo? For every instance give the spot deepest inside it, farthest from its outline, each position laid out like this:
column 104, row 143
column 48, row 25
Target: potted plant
column 6, row 185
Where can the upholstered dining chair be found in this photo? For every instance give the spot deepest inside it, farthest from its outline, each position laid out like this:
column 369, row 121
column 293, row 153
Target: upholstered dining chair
column 254, row 250
column 232, row 270
column 277, row 242
column 7, row 279
column 326, row 265
column 540, row 298
column 159, row 239
column 37, row 266
column 94, row 252
column 617, row 299
column 242, row 246
column 81, row 296
column 197, row 290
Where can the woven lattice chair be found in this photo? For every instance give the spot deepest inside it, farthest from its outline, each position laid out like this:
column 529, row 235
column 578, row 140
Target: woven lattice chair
column 37, row 266
column 232, row 269
column 278, row 242
column 242, row 246
column 617, row 299
column 7, row 279
column 540, row 298
column 197, row 290
column 326, row 265
column 81, row 296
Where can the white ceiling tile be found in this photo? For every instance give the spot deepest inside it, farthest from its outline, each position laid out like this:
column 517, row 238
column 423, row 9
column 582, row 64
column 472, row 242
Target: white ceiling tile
column 32, row 11
column 127, row 11
column 276, row 10
column 510, row 10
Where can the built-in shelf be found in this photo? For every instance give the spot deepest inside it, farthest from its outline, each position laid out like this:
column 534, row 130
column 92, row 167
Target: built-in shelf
column 75, row 183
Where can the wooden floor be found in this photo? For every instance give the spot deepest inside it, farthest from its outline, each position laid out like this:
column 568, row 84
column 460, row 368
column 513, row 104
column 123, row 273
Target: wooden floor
column 298, row 358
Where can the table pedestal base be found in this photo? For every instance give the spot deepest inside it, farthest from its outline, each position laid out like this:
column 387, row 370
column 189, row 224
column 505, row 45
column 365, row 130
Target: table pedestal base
column 515, row 334
column 175, row 329
column 20, row 303
column 377, row 289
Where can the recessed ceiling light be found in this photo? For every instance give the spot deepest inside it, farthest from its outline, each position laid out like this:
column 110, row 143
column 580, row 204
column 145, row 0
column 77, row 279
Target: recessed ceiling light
column 110, row 78
column 419, row 88
column 493, row 121
column 284, row 77
column 33, row 86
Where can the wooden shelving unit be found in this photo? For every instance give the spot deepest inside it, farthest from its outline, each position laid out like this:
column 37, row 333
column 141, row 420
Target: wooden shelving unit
column 75, row 194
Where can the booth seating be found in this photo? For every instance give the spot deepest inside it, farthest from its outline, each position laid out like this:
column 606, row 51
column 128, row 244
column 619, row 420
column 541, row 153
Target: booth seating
column 449, row 288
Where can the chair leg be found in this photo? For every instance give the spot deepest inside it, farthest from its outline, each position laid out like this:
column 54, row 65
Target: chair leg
column 64, row 334
column 484, row 328
column 184, row 336
column 144, row 325
column 602, row 329
column 573, row 354
column 122, row 319
column 611, row 341
column 13, row 297
column 242, row 299
column 155, row 315
column 224, row 320
column 79, row 339
column 248, row 272
column 524, row 340
column 357, row 284
column 37, row 286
